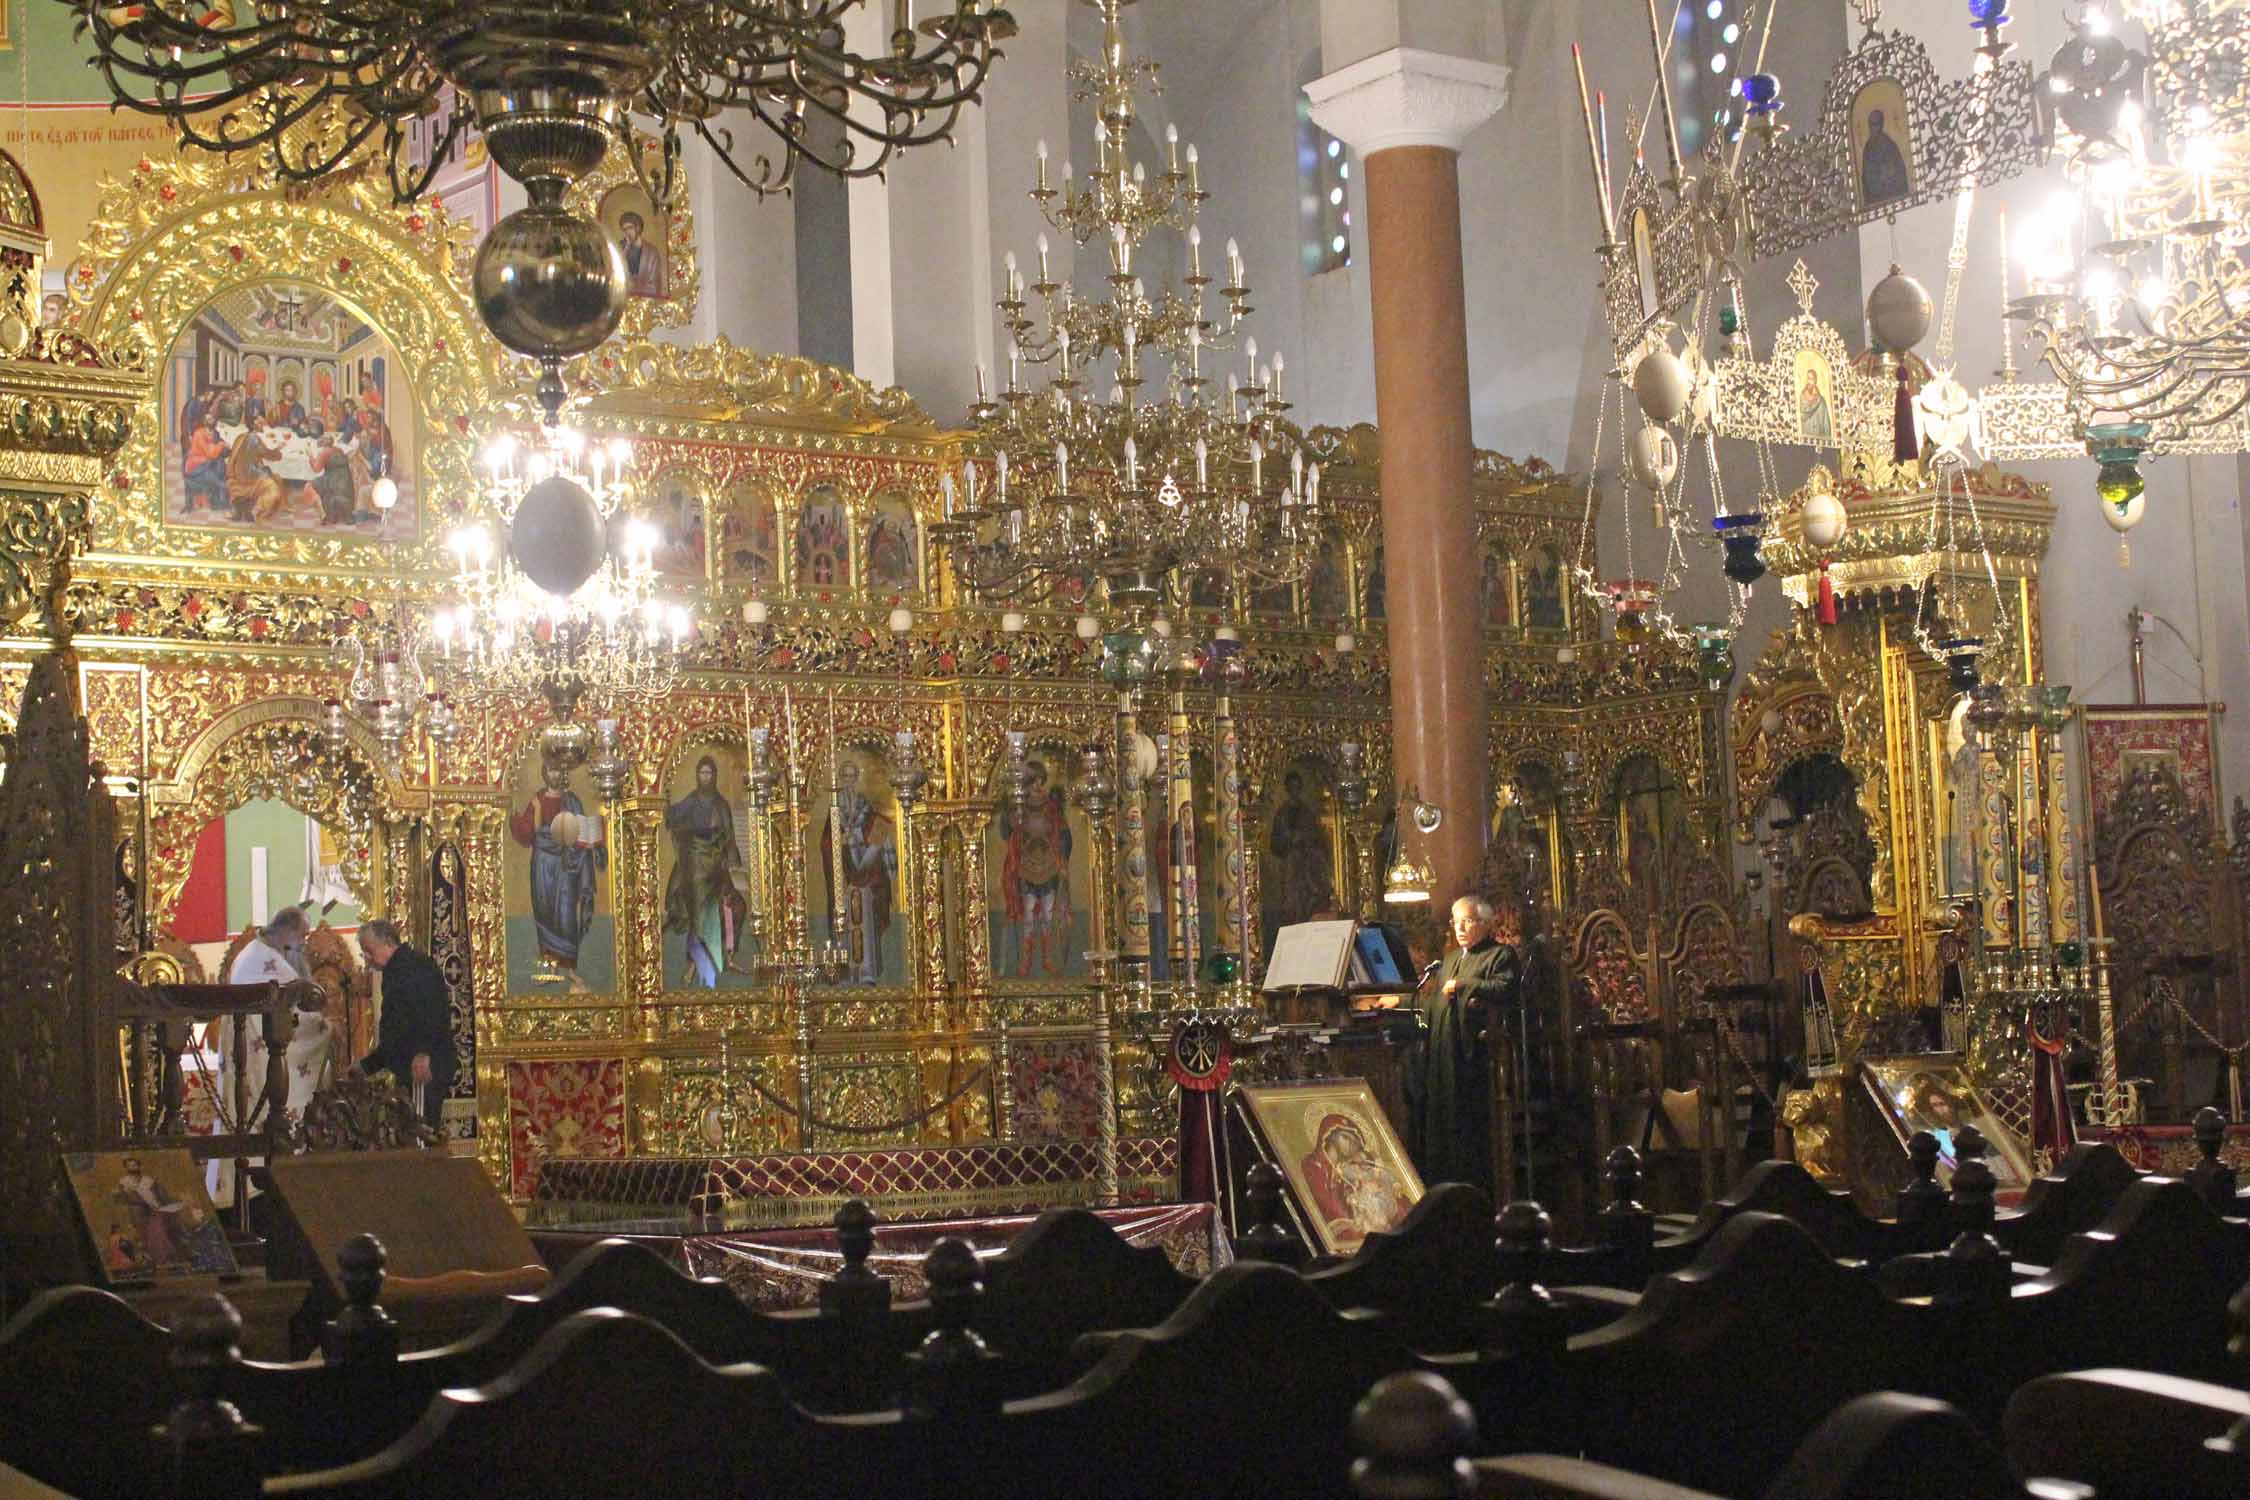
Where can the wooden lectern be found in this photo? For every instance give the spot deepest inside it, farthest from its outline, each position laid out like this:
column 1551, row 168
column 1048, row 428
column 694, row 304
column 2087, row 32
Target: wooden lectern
column 1353, row 984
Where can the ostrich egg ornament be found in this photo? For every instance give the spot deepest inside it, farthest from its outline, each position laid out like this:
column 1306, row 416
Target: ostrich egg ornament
column 2124, row 516
column 1143, row 763
column 1899, row 311
column 1824, row 520
column 557, row 537
column 1654, row 457
column 1661, row 384
column 549, row 283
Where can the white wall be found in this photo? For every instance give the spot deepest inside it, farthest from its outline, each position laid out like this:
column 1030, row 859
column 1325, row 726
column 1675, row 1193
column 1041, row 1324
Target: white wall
column 747, row 251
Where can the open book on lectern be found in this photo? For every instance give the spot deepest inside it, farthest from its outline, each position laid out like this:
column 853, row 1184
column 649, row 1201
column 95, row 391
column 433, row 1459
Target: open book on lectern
column 1339, row 955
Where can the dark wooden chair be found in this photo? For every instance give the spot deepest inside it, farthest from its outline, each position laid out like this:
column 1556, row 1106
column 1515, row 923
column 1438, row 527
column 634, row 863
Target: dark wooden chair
column 2075, row 1196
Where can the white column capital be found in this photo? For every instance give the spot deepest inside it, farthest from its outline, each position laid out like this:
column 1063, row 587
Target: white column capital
column 1407, row 97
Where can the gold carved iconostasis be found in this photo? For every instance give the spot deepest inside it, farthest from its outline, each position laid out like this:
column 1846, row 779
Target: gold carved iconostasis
column 1857, row 776
column 608, row 952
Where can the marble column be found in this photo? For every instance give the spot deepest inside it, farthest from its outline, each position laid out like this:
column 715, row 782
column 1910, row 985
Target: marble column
column 1406, row 112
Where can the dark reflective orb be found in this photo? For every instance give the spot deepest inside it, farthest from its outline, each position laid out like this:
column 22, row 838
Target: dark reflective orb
column 557, row 536
column 550, row 283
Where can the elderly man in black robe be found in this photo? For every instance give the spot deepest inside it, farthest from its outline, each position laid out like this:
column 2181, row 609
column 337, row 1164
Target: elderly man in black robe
column 1453, row 1107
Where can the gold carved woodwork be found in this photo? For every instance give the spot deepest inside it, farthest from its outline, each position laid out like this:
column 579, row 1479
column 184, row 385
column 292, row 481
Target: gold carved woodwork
column 178, row 234
column 216, row 653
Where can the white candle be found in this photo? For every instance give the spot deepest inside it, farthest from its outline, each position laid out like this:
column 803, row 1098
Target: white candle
column 1195, row 183
column 1257, row 466
column 1202, row 465
column 1195, row 252
column 1132, row 463
column 1043, row 260
column 1041, row 152
column 1172, row 146
column 1062, row 469
column 945, row 487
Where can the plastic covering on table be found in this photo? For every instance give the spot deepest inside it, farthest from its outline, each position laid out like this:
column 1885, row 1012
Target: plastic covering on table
column 774, row 1269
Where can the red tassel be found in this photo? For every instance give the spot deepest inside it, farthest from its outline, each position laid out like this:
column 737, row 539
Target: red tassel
column 1827, row 608
column 1904, row 446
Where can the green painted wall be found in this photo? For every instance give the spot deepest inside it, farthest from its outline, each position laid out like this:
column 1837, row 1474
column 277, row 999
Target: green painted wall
column 280, row 829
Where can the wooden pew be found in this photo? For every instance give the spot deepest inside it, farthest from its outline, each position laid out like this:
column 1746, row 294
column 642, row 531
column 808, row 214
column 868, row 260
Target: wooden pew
column 1764, row 1327
column 611, row 1404
column 1164, row 1411
column 2075, row 1196
column 2130, row 1435
column 82, row 1371
column 1720, row 1334
column 608, row 1404
column 1244, row 1390
column 1414, row 1435
column 2213, row 1179
column 2144, row 1289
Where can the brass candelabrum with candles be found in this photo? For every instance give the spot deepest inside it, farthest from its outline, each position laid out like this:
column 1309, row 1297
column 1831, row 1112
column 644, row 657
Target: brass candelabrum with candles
column 2044, row 974
column 1128, row 465
column 796, row 964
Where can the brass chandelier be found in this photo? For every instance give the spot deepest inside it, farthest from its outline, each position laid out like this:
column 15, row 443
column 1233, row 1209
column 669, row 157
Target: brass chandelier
column 2139, row 287
column 1091, row 477
column 550, row 84
column 555, row 589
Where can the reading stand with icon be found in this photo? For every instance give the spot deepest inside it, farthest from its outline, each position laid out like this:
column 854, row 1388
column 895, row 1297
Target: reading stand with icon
column 1351, row 985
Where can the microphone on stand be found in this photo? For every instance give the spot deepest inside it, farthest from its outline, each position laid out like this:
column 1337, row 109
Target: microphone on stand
column 1428, row 969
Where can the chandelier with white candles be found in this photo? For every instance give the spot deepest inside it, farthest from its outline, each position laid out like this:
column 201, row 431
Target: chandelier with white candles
column 1130, row 465
column 2139, row 281
column 555, row 583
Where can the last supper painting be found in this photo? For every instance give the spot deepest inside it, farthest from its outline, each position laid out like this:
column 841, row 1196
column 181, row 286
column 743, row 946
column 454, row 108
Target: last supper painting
column 285, row 410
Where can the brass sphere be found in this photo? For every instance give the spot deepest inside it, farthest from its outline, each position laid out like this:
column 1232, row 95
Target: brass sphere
column 557, row 536
column 549, row 283
column 563, row 744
